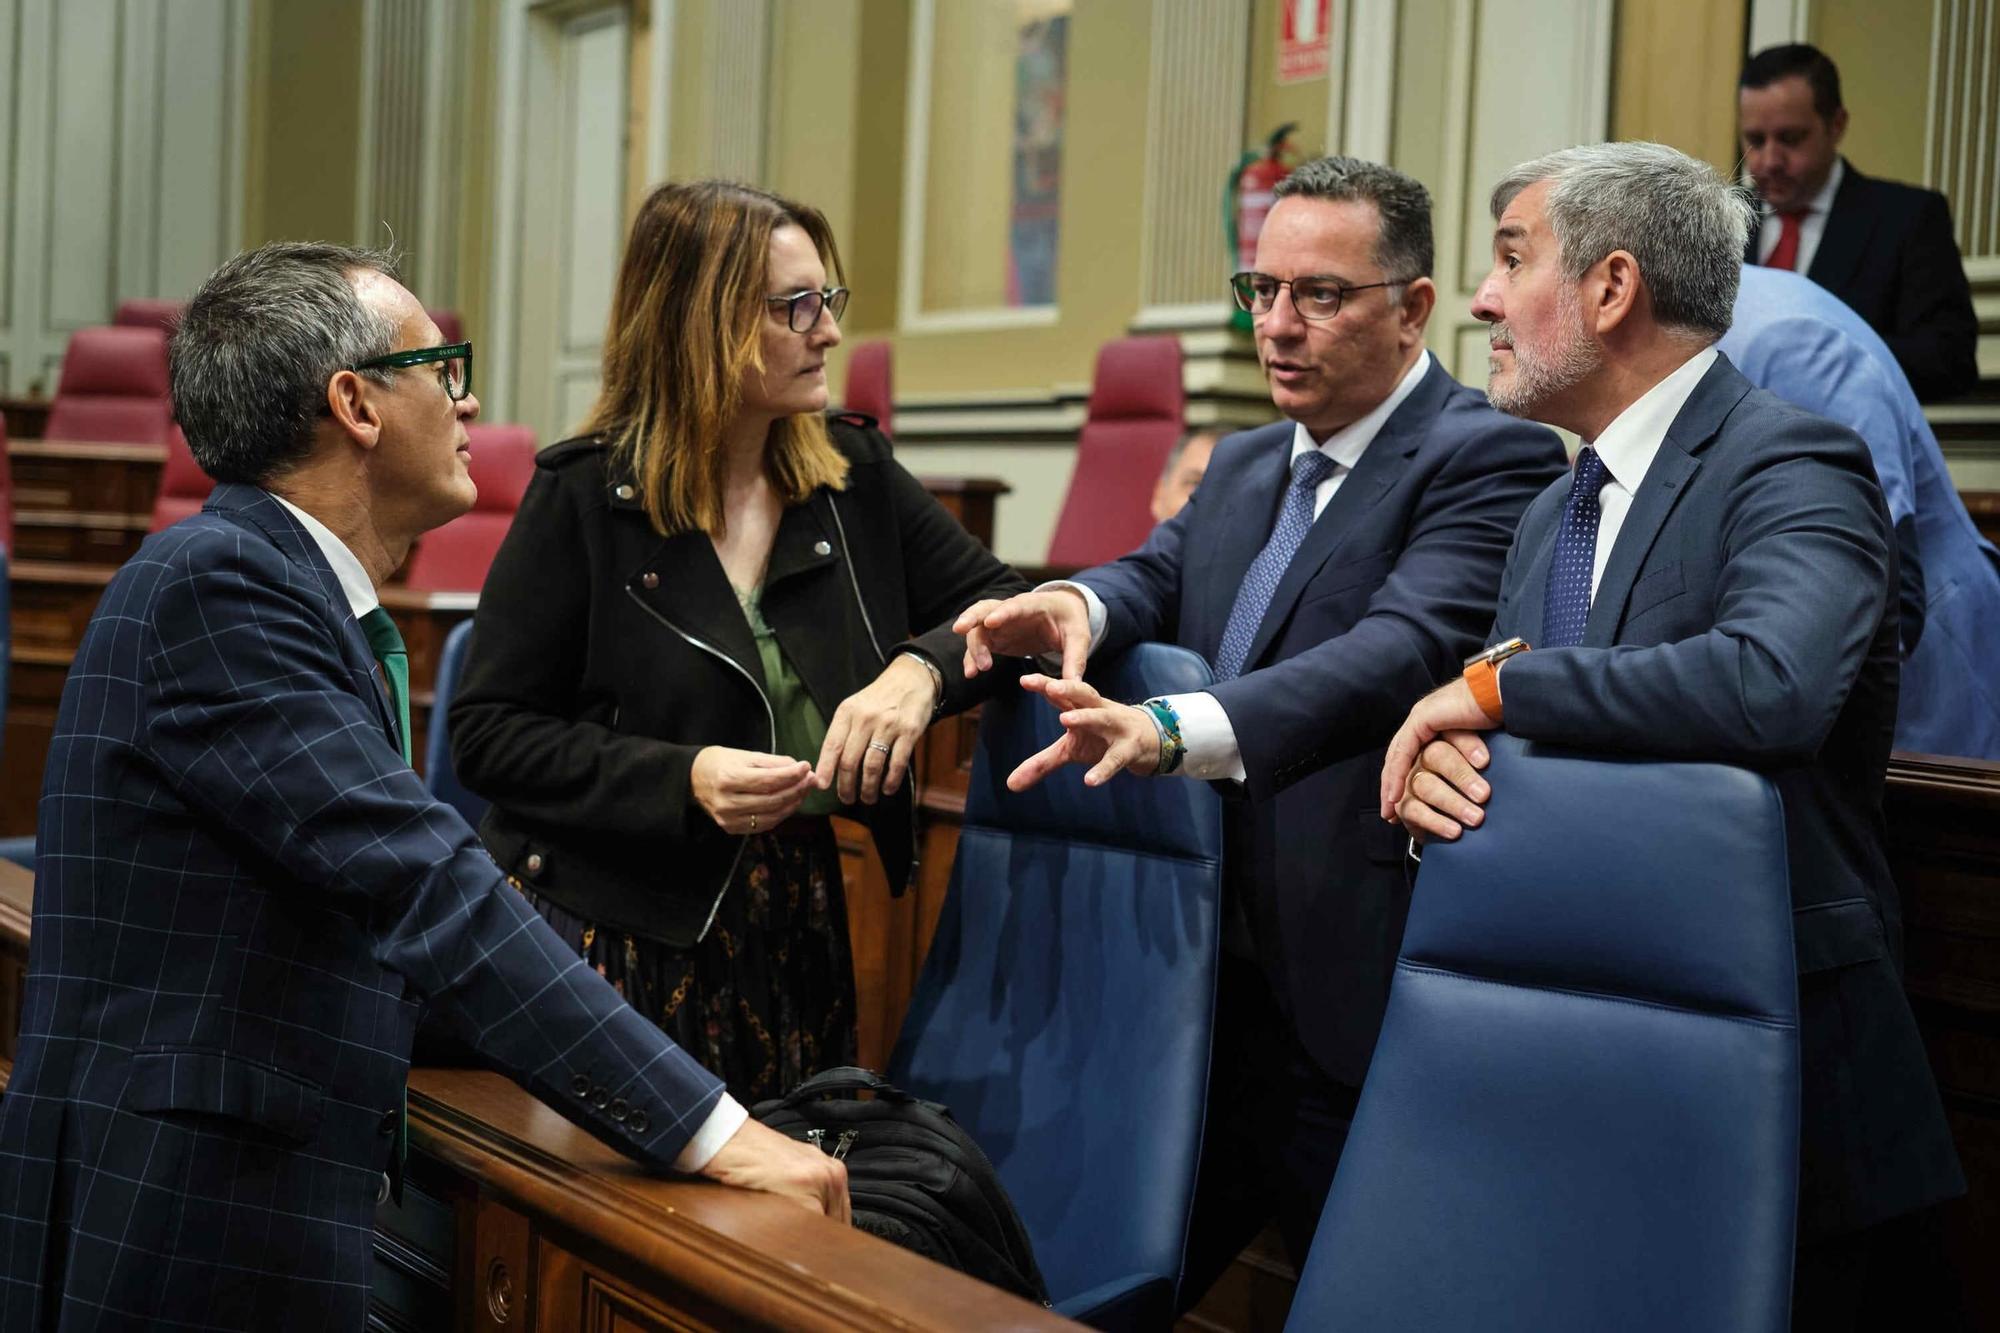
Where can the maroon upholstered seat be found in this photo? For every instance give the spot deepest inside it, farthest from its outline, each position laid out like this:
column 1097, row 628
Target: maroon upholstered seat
column 449, row 324
column 148, row 312
column 1134, row 417
column 183, row 485
column 870, row 383
column 113, row 388
column 455, row 557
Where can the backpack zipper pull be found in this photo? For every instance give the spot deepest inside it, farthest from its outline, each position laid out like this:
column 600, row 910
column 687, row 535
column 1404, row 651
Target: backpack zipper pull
column 846, row 1141
column 817, row 1138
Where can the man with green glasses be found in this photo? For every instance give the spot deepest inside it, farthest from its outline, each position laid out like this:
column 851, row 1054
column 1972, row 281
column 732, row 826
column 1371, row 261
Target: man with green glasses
column 245, row 895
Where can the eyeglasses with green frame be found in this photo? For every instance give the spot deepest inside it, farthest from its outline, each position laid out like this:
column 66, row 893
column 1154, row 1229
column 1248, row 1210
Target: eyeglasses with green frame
column 453, row 360
column 802, row 309
column 1313, row 298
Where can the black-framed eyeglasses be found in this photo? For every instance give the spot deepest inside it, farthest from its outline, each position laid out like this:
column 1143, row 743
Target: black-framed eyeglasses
column 802, row 308
column 1313, row 298
column 453, row 360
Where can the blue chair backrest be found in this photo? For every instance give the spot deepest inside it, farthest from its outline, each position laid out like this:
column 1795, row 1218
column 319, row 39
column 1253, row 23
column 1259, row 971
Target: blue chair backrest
column 1065, row 1009
column 1583, row 1109
column 438, row 774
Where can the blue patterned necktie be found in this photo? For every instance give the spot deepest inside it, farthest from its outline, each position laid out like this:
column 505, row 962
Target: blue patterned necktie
column 1566, row 606
column 1260, row 584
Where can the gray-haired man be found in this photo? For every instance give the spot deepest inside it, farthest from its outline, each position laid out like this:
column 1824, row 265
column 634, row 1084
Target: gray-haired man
column 1713, row 583
column 246, row 895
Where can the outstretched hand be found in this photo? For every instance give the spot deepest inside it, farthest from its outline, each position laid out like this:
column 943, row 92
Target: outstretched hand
column 1051, row 620
column 1110, row 737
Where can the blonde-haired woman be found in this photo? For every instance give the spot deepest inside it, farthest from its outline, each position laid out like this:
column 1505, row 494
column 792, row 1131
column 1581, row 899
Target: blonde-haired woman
column 695, row 644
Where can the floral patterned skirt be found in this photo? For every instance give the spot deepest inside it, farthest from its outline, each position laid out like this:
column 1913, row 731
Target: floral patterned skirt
column 766, row 999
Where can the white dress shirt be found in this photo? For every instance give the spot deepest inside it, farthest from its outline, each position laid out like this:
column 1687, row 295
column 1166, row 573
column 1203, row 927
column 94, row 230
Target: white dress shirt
column 1811, row 227
column 1628, row 446
column 728, row 1115
column 1212, row 752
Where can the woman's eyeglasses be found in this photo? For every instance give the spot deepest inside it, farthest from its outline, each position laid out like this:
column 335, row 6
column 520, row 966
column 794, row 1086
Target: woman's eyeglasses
column 802, row 309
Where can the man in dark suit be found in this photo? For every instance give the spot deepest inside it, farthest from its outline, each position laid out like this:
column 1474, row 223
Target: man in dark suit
column 245, row 895
column 1330, row 567
column 1715, row 581
column 1885, row 249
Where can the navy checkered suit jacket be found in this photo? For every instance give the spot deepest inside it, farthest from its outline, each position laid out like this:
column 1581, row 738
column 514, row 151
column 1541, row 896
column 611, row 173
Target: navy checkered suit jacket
column 244, row 896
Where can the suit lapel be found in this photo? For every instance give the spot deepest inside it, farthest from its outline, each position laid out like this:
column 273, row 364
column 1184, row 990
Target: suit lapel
column 1841, row 244
column 1667, row 480
column 254, row 507
column 1534, row 590
column 1243, row 528
column 1378, row 468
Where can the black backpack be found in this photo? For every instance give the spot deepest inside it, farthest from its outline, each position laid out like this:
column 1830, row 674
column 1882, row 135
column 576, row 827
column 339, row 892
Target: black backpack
column 915, row 1177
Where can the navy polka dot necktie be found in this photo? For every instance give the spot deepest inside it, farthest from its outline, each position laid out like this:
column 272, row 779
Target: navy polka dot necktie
column 1567, row 604
column 1260, row 584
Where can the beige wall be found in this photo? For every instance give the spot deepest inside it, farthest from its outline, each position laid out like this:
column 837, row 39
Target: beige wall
column 1271, row 103
column 1884, row 54
column 1675, row 77
column 305, row 120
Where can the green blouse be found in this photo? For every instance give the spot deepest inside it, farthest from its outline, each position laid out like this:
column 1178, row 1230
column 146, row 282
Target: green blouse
column 801, row 730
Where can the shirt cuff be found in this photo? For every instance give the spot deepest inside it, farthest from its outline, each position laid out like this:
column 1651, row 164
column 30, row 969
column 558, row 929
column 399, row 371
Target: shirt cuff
column 720, row 1127
column 1052, row 662
column 1212, row 755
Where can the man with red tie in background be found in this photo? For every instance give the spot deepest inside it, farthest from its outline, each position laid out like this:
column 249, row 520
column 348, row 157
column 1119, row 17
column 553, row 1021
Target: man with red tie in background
column 1883, row 248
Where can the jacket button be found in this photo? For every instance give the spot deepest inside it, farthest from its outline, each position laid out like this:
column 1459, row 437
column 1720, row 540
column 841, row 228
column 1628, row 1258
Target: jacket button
column 624, row 492
column 387, row 1127
column 580, row 1085
column 649, row 580
column 533, row 865
column 618, row 1110
column 637, row 1122
column 821, row 548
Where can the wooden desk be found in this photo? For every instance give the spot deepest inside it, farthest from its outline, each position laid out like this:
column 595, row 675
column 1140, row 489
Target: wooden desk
column 1944, row 847
column 26, row 417
column 514, row 1218
column 17, row 910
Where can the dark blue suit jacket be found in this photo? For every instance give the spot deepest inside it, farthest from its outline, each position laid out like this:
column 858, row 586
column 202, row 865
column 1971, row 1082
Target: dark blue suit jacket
column 1390, row 590
column 1746, row 616
column 244, row 895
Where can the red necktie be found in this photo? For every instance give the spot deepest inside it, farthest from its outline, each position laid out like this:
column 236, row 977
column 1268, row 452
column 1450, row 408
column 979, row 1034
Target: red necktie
column 1785, row 254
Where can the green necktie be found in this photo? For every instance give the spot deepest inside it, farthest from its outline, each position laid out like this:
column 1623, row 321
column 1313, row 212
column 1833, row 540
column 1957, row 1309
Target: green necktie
column 386, row 641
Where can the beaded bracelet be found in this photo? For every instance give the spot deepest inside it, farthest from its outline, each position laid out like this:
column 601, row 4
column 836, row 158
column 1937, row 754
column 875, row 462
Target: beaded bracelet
column 1168, row 723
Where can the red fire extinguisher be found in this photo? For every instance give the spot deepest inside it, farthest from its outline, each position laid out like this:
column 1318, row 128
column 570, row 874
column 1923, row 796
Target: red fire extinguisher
column 1247, row 200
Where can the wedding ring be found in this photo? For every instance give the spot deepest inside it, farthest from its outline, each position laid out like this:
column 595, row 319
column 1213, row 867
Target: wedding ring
column 753, row 823
column 877, row 745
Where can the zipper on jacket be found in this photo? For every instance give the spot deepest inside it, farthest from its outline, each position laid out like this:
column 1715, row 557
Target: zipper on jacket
column 875, row 642
column 770, row 717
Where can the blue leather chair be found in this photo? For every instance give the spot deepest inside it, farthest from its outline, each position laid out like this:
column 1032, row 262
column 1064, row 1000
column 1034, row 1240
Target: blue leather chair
column 1065, row 1010
column 438, row 773
column 1583, row 1110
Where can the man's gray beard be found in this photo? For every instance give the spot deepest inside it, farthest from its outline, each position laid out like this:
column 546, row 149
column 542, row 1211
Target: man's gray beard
column 1572, row 360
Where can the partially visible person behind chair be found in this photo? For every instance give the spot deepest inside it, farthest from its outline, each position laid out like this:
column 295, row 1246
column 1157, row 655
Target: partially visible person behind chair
column 1884, row 248
column 1331, row 568
column 245, row 894
column 1712, row 582
column 1183, row 473
column 695, row 644
column 1797, row 340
